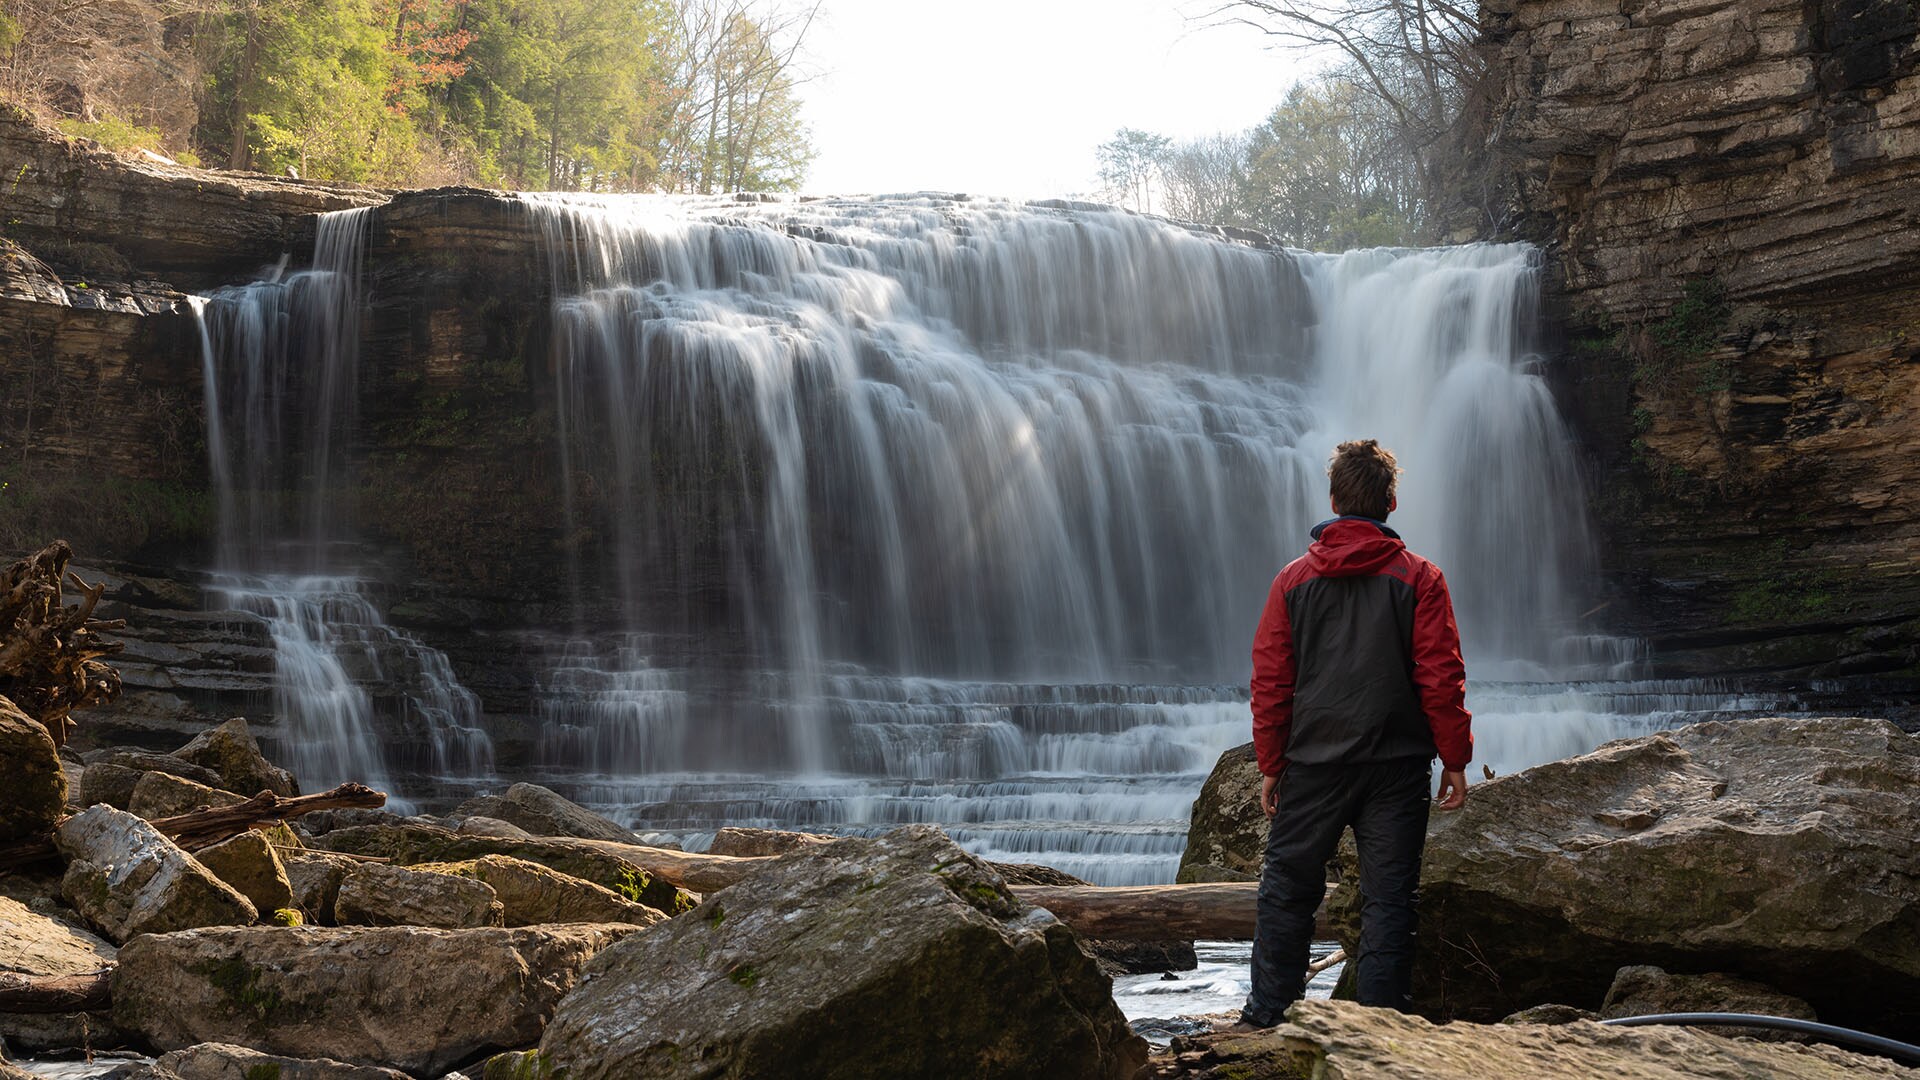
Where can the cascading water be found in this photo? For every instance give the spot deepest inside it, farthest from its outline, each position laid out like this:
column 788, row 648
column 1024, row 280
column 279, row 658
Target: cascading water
column 952, row 510
column 281, row 360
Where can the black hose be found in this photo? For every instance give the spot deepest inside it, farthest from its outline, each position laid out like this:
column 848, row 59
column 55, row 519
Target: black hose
column 1839, row 1036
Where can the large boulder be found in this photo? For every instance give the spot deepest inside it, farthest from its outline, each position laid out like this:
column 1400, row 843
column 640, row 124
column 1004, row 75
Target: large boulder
column 1227, row 832
column 231, row 751
column 1777, row 850
column 409, row 843
column 532, row 894
column 405, row 997
column 35, row 792
column 1342, row 1039
column 249, row 864
column 159, row 795
column 543, row 812
column 127, row 879
column 105, row 782
column 888, row 957
column 35, row 944
column 132, row 757
column 221, row 1061
column 375, row 894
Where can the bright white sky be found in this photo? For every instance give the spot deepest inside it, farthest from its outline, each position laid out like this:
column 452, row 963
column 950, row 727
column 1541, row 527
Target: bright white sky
column 1011, row 97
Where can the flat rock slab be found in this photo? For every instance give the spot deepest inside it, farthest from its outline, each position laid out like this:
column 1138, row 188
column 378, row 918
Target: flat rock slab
column 220, row 1061
column 375, row 894
column 407, row 998
column 127, row 879
column 532, row 894
column 1352, row 1042
column 892, row 957
column 544, row 812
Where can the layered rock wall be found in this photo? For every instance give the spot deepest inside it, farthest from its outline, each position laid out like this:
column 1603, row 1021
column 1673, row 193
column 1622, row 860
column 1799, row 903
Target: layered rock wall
column 1727, row 192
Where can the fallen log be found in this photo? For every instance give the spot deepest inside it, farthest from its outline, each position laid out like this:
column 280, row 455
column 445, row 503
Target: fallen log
column 203, row 827
column 55, row 993
column 50, row 651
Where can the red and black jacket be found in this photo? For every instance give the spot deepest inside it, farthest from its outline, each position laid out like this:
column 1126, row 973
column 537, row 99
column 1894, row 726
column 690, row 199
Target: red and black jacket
column 1357, row 657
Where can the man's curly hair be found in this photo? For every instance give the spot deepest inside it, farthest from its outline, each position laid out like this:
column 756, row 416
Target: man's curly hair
column 1363, row 476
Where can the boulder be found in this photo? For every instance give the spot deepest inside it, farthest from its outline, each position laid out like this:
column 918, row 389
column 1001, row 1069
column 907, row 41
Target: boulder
column 231, row 751
column 543, row 812
column 406, row 997
column 488, row 826
column 35, row 793
column 144, row 761
column 1644, row 990
column 1227, row 832
column 1350, row 1041
column 223, row 1061
column 888, row 957
column 159, row 795
column 314, row 878
column 407, row 843
column 747, row 843
column 102, row 782
column 249, row 864
column 1776, row 850
column 375, row 894
column 35, row 944
column 125, row 878
column 532, row 894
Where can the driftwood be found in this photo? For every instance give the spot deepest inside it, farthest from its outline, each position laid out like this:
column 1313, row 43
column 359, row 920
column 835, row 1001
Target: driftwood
column 203, row 827
column 55, row 993
column 49, row 651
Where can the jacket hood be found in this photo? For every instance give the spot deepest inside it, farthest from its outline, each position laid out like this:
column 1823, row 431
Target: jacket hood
column 1352, row 546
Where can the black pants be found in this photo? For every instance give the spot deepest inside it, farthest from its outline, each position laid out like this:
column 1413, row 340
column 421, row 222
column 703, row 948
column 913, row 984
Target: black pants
column 1385, row 802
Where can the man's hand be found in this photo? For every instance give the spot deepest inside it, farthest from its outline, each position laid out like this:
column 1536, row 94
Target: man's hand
column 1269, row 794
column 1453, row 790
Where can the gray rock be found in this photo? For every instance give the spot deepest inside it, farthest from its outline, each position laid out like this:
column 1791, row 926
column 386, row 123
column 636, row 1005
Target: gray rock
column 314, row 879
column 1550, row 1014
column 1227, row 833
column 126, row 879
column 890, row 957
column 487, row 826
column 375, row 894
column 231, row 751
column 542, row 812
column 408, row 998
column 35, row 792
column 159, row 795
column 1777, row 850
column 149, row 761
column 249, row 864
column 222, row 1061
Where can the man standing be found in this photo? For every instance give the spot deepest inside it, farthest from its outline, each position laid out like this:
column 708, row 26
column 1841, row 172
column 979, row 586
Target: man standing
column 1357, row 684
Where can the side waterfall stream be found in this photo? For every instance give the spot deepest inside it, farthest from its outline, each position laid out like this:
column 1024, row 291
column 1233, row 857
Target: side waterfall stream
column 931, row 509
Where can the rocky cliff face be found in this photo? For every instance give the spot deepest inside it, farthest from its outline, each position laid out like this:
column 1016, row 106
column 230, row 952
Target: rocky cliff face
column 1727, row 192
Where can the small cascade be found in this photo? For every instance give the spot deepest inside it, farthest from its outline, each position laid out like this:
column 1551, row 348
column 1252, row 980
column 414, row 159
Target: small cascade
column 357, row 699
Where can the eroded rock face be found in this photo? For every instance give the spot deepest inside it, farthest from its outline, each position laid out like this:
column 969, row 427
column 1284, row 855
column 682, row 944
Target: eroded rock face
column 1339, row 1038
column 231, row 751
column 35, row 791
column 779, row 975
column 543, row 812
column 410, row 998
column 1775, row 850
column 375, row 894
column 221, row 1061
column 127, row 879
column 1227, row 833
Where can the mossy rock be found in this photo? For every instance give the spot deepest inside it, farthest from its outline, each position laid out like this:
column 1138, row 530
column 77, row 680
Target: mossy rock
column 34, row 795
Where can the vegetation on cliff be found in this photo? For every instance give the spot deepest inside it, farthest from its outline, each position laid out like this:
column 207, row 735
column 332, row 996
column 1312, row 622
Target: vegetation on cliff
column 675, row 95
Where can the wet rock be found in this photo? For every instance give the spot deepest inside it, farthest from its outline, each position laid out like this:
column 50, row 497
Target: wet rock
column 1340, row 1038
column 543, row 812
column 231, row 751
column 249, row 863
column 532, row 894
column 1644, row 990
column 1227, row 833
column 375, row 894
column 407, row 843
column 127, row 879
column 778, row 975
column 747, row 843
column 487, row 826
column 222, row 1061
column 410, row 998
column 159, row 795
column 314, row 878
column 1776, row 850
column 35, row 792
column 32, row 943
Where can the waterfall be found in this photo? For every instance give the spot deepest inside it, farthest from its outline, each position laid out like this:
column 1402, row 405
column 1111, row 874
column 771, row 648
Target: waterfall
column 281, row 368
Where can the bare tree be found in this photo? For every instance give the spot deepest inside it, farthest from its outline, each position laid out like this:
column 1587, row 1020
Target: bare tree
column 732, row 119
column 1200, row 179
column 1129, row 163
